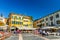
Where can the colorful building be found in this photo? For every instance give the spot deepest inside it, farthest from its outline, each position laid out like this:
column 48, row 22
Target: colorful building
column 19, row 21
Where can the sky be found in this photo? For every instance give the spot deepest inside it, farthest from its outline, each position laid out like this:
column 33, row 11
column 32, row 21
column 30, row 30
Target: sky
column 34, row 8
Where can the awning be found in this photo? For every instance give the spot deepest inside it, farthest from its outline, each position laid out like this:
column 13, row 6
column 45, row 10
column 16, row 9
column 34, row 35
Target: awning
column 12, row 27
column 25, row 28
column 50, row 27
column 3, row 27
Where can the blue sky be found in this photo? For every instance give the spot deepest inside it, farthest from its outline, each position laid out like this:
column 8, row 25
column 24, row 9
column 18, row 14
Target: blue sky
column 34, row 8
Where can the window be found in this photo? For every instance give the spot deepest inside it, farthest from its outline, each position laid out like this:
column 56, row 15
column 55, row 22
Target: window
column 42, row 24
column 51, row 18
column 57, row 16
column 21, row 23
column 12, row 22
column 42, row 20
column 15, row 17
column 46, row 19
column 25, row 24
column 52, row 24
column 58, row 22
column 46, row 24
column 16, row 22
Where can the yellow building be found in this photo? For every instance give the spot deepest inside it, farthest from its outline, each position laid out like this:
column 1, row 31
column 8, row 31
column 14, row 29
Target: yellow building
column 20, row 21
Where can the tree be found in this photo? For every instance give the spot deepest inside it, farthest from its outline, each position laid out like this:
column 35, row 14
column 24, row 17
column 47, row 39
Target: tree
column 31, row 18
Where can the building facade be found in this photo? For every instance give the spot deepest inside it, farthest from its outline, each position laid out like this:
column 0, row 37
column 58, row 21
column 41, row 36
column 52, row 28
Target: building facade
column 49, row 20
column 19, row 21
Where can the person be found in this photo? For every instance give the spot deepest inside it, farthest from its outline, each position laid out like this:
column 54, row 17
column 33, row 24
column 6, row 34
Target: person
column 17, row 31
column 20, row 31
column 43, row 33
column 36, row 31
column 46, row 33
column 40, row 31
column 14, row 31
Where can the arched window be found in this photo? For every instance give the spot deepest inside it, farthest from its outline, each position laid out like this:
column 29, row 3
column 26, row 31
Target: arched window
column 46, row 19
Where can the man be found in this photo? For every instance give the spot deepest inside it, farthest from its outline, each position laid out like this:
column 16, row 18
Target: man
column 40, row 31
column 43, row 31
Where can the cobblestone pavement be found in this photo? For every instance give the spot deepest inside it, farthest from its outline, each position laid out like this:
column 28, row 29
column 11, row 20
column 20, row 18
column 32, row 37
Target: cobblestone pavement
column 24, row 36
column 30, row 37
column 13, row 37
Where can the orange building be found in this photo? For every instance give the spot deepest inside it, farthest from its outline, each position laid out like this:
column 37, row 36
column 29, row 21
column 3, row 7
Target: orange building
column 38, row 23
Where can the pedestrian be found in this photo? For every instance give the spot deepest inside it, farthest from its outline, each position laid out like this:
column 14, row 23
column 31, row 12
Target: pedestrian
column 14, row 31
column 40, row 31
column 36, row 31
column 46, row 33
column 19, row 31
column 43, row 33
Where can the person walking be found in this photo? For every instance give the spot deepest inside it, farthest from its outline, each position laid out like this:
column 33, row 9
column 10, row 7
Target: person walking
column 36, row 31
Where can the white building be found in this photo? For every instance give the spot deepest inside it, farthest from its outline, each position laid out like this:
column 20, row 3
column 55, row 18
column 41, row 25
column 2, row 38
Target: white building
column 2, row 23
column 50, row 20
